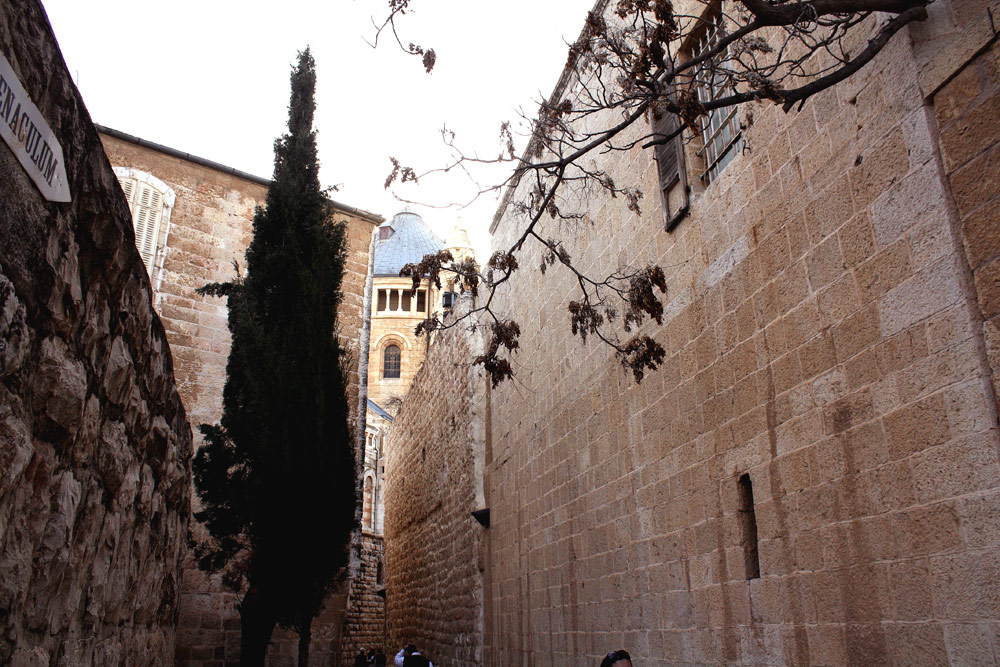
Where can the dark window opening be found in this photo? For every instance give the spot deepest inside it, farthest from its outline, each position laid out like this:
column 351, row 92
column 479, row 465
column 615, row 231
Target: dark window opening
column 394, row 300
column 378, row 574
column 748, row 528
column 406, row 301
column 391, row 365
column 381, row 300
column 385, row 232
column 421, row 301
column 448, row 299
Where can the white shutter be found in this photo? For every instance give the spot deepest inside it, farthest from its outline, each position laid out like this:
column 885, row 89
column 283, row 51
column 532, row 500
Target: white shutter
column 147, row 210
column 128, row 187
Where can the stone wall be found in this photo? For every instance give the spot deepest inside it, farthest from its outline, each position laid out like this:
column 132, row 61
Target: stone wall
column 435, row 551
column 210, row 227
column 826, row 348
column 364, row 623
column 967, row 111
column 95, row 448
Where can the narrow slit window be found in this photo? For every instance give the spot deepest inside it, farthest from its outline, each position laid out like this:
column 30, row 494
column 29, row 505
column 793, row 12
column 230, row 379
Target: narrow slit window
column 381, row 300
column 394, row 300
column 748, row 528
column 421, row 301
column 406, row 301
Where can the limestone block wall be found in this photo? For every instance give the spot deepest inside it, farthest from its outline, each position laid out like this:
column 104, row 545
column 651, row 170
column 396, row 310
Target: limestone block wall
column 211, row 225
column 967, row 110
column 435, row 552
column 364, row 622
column 824, row 336
column 95, row 449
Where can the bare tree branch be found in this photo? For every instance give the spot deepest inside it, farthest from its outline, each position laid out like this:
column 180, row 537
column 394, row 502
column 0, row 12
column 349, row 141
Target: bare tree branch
column 639, row 60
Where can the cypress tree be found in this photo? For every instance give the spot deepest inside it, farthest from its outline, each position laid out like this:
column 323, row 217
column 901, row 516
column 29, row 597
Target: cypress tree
column 276, row 475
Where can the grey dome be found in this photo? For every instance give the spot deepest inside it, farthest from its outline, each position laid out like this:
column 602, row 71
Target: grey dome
column 409, row 241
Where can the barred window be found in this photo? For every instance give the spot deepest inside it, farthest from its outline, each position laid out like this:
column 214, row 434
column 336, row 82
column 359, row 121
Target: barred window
column 720, row 131
column 391, row 362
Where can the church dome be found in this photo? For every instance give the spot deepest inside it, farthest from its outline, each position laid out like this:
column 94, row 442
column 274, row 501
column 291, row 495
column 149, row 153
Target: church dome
column 403, row 240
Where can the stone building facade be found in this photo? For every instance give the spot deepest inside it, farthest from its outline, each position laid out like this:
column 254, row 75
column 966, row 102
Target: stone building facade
column 206, row 225
column 435, row 551
column 831, row 373
column 396, row 352
column 95, row 448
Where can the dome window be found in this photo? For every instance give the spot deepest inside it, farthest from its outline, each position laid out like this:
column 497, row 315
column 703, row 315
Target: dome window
column 385, row 232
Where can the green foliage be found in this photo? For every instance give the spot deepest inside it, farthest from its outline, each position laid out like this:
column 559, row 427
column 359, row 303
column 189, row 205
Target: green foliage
column 276, row 476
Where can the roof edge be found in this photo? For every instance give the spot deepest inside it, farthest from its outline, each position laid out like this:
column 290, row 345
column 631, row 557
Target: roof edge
column 217, row 166
column 553, row 99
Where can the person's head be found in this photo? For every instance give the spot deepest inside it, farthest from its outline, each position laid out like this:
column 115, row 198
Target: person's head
column 617, row 658
column 410, row 648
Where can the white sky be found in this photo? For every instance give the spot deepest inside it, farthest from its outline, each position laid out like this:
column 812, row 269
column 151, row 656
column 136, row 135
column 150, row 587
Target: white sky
column 210, row 78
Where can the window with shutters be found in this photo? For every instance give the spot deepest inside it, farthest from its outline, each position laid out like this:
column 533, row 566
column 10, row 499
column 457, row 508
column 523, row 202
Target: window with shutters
column 150, row 200
column 670, row 169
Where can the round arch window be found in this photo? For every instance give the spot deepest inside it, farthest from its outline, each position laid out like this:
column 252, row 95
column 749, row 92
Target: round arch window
column 391, row 362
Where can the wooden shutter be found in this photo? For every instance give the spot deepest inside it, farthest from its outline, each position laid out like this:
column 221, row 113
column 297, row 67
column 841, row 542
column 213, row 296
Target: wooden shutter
column 667, row 156
column 670, row 167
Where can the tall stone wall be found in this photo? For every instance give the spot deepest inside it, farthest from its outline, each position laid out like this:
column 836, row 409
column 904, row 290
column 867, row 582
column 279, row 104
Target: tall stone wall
column 364, row 622
column 211, row 225
column 830, row 326
column 435, row 551
column 967, row 111
column 95, row 449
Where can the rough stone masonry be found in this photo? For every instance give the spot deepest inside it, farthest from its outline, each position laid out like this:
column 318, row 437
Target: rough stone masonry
column 832, row 347
column 95, row 448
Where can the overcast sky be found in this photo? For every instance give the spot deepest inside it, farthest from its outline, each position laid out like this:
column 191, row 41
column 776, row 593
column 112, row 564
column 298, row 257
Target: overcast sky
column 210, row 78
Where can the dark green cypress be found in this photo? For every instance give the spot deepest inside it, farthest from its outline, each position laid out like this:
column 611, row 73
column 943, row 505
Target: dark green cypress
column 276, row 476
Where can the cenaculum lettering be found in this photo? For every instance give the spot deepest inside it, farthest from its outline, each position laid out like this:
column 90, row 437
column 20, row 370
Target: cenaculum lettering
column 27, row 134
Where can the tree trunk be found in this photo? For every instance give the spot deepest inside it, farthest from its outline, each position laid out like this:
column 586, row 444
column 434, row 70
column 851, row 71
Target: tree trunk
column 305, row 635
column 256, row 626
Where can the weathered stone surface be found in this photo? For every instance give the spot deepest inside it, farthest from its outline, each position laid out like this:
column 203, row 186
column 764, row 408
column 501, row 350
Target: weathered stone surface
column 832, row 331
column 95, row 448
column 210, row 227
column 435, row 551
column 364, row 619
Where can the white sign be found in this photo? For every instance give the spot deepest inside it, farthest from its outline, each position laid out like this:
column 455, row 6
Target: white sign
column 29, row 136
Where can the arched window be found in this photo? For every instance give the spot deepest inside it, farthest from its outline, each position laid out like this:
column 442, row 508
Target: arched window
column 391, row 365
